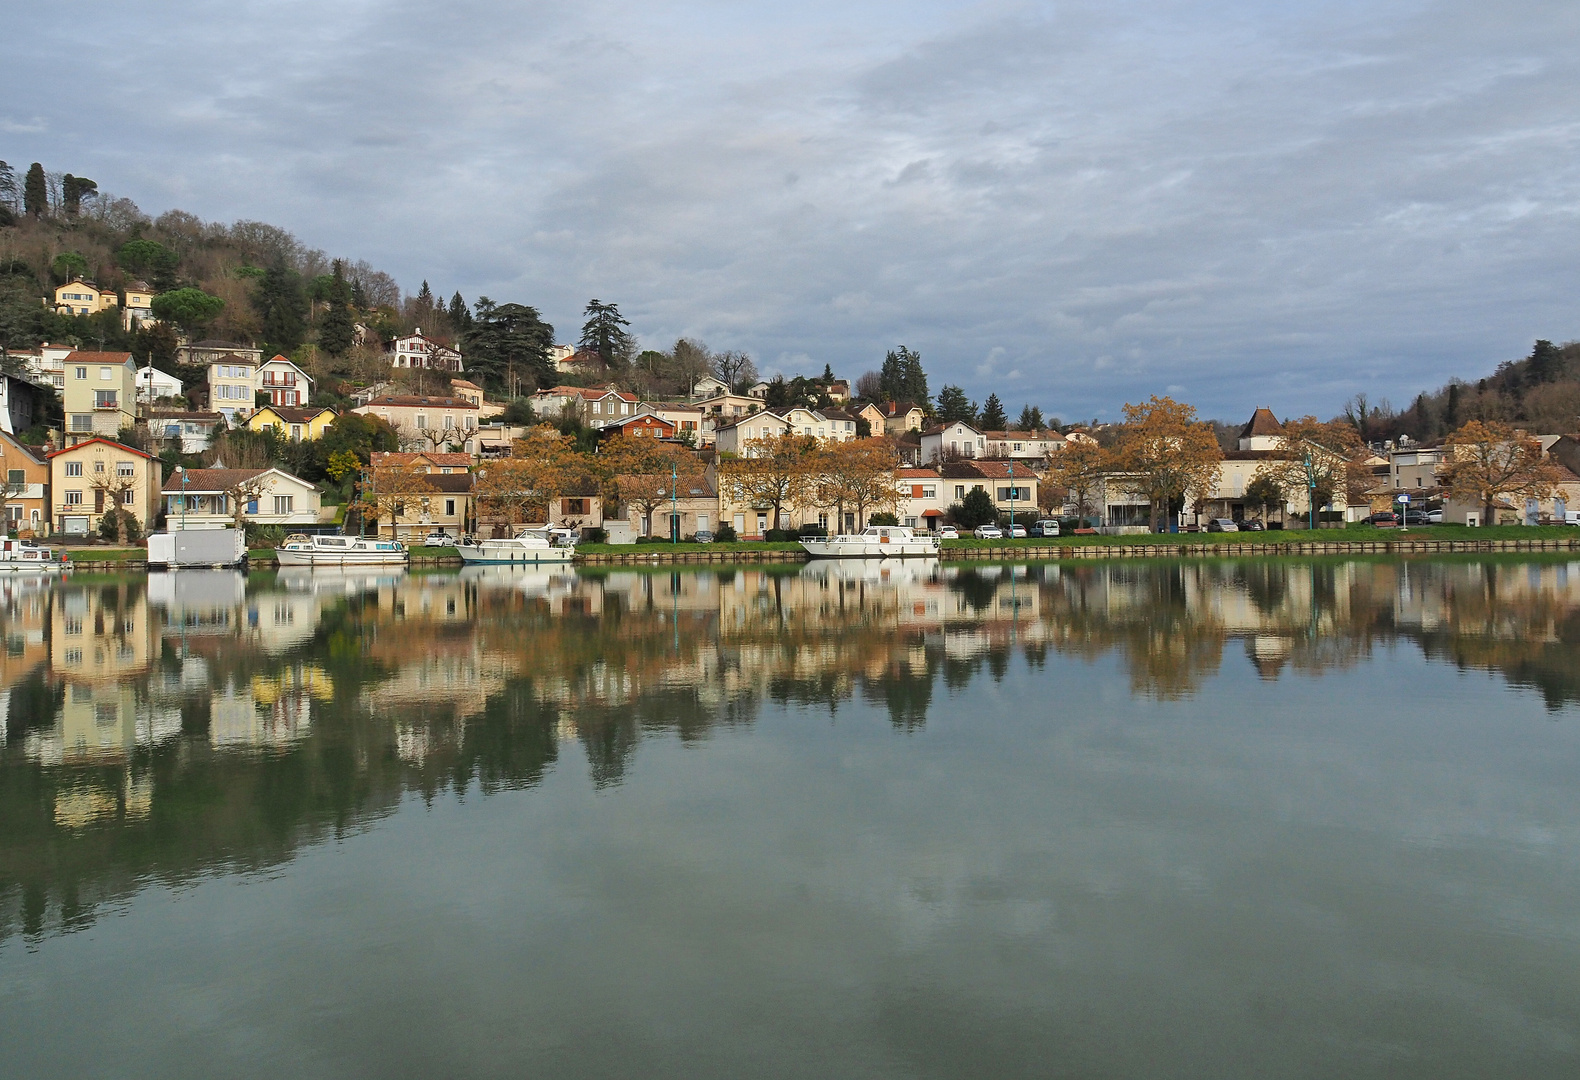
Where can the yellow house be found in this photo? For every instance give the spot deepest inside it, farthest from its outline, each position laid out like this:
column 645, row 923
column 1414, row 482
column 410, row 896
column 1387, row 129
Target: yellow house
column 295, row 424
column 78, row 297
column 139, row 309
column 88, row 478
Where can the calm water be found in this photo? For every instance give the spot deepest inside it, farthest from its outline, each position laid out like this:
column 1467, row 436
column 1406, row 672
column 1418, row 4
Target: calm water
column 1257, row 819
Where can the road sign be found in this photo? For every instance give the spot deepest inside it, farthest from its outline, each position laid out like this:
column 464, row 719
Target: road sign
column 1404, row 498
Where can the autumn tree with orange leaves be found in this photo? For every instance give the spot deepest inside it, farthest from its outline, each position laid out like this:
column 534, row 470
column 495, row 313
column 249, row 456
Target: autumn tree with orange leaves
column 641, row 472
column 863, row 473
column 1166, row 456
column 1486, row 460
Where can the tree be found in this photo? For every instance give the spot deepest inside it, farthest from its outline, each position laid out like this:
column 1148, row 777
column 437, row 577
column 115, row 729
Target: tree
column 862, row 473
column 1264, row 491
column 241, row 488
column 73, row 190
column 11, row 489
column 187, row 308
column 993, row 418
column 1337, row 457
column 604, row 333
column 1079, row 468
column 953, row 405
column 902, row 378
column 869, row 386
column 149, row 259
column 1166, row 455
column 1488, row 460
column 110, row 491
column 460, row 317
column 10, row 194
column 1545, row 363
column 776, row 472
column 734, row 368
column 975, row 509
column 543, row 465
column 1030, row 419
column 342, row 463
column 389, row 488
column 282, row 308
column 35, row 192
column 641, row 473
column 337, row 333
column 509, row 343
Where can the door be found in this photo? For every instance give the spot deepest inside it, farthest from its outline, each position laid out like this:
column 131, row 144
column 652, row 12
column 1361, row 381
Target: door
column 762, row 524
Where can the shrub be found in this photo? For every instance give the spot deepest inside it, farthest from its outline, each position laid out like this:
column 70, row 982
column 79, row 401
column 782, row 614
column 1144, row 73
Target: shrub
column 779, row 536
column 595, row 536
column 883, row 518
column 976, row 509
column 724, row 534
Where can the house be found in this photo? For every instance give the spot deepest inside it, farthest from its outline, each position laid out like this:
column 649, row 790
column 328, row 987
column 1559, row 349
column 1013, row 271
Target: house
column 79, row 297
column 431, row 420
column 45, row 365
column 138, row 311
column 838, row 391
column 1009, row 484
column 443, row 464
column 560, row 357
column 100, row 397
column 1415, row 469
column 470, row 391
column 21, row 403
column 418, row 351
column 89, row 477
column 155, row 385
column 1030, row 446
column 1262, row 432
column 295, row 424
column 696, row 508
column 211, row 498
column 758, row 390
column 190, row 430
column 232, row 385
column 208, row 351
column 26, row 486
column 709, row 386
column 726, row 407
column 923, row 500
column 948, row 442
column 733, row 438
column 284, row 382
column 443, row 503
column 898, row 416
column 842, row 426
column 594, row 406
column 688, row 420
column 804, row 421
column 643, row 425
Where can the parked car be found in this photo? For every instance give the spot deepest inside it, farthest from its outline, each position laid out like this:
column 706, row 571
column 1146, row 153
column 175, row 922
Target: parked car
column 1045, row 528
column 1384, row 519
column 704, row 536
column 1222, row 525
column 988, row 532
column 1435, row 517
column 1017, row 532
column 948, row 532
column 1252, row 526
column 439, row 539
column 1417, row 517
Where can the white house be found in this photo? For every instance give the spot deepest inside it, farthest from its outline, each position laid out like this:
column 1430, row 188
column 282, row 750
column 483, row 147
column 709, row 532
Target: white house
column 955, row 440
column 204, row 498
column 285, row 383
column 417, row 351
column 733, row 438
column 1030, row 446
column 923, row 499
column 153, row 384
column 709, row 386
column 191, row 429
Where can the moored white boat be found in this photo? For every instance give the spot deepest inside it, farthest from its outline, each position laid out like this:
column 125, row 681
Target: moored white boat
column 527, row 547
column 302, row 550
column 875, row 542
column 21, row 557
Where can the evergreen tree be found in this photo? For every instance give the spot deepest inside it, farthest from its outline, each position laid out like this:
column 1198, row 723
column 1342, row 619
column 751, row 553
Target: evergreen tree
column 602, row 333
column 1545, row 363
column 1031, row 419
column 1451, row 410
column 953, row 405
column 1423, row 417
column 337, row 333
column 460, row 318
column 35, row 192
column 507, row 347
column 281, row 302
column 993, row 418
column 902, row 379
column 359, row 295
column 73, row 189
column 423, row 308
column 9, row 195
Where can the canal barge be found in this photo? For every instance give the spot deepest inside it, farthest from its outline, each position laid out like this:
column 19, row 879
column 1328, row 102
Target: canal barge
column 876, row 542
column 303, row 550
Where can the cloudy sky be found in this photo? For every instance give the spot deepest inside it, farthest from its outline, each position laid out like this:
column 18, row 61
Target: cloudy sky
column 1073, row 204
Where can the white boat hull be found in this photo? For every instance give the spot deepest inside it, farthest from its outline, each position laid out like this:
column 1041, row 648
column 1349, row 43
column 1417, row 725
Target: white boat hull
column 506, row 553
column 339, row 551
column 864, row 547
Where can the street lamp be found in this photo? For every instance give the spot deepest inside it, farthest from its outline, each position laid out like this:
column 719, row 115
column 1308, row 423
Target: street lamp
column 1010, row 471
column 674, row 506
column 1311, row 489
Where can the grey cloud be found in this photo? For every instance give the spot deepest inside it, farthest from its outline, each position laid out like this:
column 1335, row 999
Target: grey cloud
column 1266, row 207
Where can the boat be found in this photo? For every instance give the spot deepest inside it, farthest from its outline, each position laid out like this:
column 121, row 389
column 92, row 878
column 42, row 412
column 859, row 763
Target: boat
column 528, row 546
column 303, row 550
column 876, row 542
column 23, row 557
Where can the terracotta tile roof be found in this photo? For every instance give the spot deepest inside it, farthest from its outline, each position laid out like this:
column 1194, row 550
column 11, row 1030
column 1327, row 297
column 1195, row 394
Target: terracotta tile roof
column 396, row 458
column 106, row 442
column 1262, row 422
column 413, row 401
column 83, row 357
column 294, row 416
column 919, row 474
column 203, row 480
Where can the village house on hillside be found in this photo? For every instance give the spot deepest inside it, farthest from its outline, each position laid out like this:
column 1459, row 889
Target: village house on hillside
column 431, row 420
column 216, row 498
column 98, row 474
column 100, row 396
column 415, row 350
column 26, row 491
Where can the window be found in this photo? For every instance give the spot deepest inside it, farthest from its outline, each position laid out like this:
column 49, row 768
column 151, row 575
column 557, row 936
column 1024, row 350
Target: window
column 129, row 497
column 81, row 373
column 73, row 498
column 449, row 508
column 125, row 468
column 283, row 503
column 929, row 491
column 422, row 421
column 296, row 432
column 15, row 476
column 252, row 506
column 471, row 422
column 106, row 374
column 73, row 468
column 960, row 491
column 104, row 399
column 98, row 466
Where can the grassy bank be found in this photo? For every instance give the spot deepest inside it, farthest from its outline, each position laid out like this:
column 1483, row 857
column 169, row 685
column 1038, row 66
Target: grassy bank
column 1355, row 535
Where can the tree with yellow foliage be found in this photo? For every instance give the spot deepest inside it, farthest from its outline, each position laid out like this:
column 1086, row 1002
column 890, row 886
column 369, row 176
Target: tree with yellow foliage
column 1080, row 467
column 863, row 473
column 1338, row 462
column 643, row 473
column 777, row 471
column 542, row 466
column 1487, row 460
column 1166, row 455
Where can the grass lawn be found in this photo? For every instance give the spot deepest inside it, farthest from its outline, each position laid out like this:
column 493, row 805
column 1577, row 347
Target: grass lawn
column 97, row 554
column 655, row 549
column 1354, row 535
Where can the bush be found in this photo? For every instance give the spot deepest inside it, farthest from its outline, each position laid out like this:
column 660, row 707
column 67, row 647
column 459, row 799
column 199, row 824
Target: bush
column 883, row 518
column 724, row 534
column 976, row 509
column 595, row 536
column 261, row 536
column 120, row 526
column 652, row 539
column 779, row 536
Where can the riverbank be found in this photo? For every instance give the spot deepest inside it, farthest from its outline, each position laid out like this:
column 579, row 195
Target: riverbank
column 1417, row 541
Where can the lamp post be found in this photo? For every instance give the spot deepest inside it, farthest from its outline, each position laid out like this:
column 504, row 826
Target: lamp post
column 674, row 505
column 183, row 473
column 1010, row 472
column 1311, row 490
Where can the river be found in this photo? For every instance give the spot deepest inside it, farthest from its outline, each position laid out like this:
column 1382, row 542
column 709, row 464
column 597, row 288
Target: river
column 1134, row 819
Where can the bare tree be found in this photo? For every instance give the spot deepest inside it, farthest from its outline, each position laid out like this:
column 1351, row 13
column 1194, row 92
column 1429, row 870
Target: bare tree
column 870, row 386
column 735, row 368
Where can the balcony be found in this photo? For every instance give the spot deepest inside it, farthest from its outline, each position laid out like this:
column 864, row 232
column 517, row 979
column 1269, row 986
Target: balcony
column 106, row 406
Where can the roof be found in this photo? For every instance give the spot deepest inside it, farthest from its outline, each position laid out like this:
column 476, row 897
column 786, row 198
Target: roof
column 209, row 479
column 100, row 439
column 837, row 414
column 398, row 457
column 992, row 470
column 918, row 474
column 215, row 343
column 413, row 401
column 897, row 408
column 1262, row 422
column 80, row 357
column 1023, row 436
column 936, row 428
column 293, row 416
column 30, row 451
column 449, row 482
column 464, row 385
column 639, row 418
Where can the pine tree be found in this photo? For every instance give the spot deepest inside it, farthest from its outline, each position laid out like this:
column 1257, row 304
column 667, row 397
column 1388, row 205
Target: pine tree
column 602, row 333
column 902, row 377
column 460, row 318
column 507, row 347
column 337, row 333
column 72, row 191
column 35, row 192
column 1545, row 362
column 993, row 418
column 1030, row 419
column 953, row 405
column 282, row 306
column 1451, row 410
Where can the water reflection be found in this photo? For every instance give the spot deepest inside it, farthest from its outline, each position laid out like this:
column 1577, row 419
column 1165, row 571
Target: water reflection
column 163, row 728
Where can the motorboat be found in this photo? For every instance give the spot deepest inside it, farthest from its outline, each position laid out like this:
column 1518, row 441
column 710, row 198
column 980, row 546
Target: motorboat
column 22, row 557
column 528, row 546
column 303, row 550
column 876, row 542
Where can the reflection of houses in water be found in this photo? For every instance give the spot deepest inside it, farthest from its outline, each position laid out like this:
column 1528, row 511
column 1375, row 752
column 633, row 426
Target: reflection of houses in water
column 101, row 722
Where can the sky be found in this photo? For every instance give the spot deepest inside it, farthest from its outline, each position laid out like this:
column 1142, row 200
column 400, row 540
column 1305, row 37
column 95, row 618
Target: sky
column 1074, row 205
